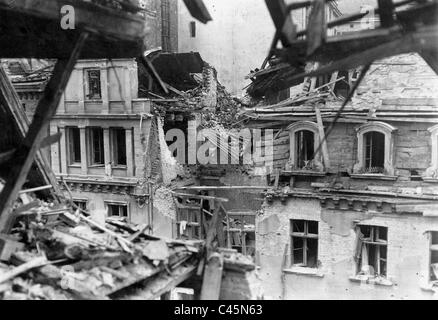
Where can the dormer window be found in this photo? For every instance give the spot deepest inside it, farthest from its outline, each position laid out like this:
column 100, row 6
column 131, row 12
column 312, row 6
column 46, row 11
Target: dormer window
column 305, row 147
column 304, row 142
column 375, row 150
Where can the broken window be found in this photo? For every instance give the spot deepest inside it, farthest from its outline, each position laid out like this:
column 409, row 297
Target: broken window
column 304, row 243
column 117, row 210
column 118, row 146
column 305, row 148
column 97, row 156
column 434, row 256
column 74, row 145
column 372, row 247
column 81, row 204
column 93, row 85
column 374, row 152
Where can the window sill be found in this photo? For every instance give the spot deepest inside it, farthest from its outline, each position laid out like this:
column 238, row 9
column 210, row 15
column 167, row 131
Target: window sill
column 308, row 173
column 371, row 176
column 372, row 280
column 94, row 100
column 311, row 272
column 97, row 166
column 430, row 180
column 75, row 165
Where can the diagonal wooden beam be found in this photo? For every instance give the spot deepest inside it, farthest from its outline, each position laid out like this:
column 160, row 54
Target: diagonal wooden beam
column 280, row 14
column 25, row 153
column 12, row 105
column 431, row 57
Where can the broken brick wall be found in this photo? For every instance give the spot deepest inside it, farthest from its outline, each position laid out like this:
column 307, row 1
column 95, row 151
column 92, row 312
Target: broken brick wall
column 407, row 254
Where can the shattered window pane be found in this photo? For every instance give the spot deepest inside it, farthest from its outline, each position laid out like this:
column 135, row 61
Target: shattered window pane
column 304, row 243
column 94, row 89
column 305, row 148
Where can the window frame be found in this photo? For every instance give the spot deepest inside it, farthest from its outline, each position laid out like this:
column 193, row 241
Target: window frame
column 388, row 131
column 304, row 236
column 85, row 201
column 303, row 126
column 377, row 244
column 71, row 153
column 87, row 94
column 90, row 140
column 114, row 147
column 119, row 204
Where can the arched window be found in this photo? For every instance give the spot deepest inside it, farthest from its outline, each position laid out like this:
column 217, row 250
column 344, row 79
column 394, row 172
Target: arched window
column 304, row 142
column 305, row 147
column 375, row 148
column 374, row 152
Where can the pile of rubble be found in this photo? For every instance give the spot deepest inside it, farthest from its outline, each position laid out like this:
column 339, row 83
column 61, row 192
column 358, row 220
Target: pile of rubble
column 56, row 253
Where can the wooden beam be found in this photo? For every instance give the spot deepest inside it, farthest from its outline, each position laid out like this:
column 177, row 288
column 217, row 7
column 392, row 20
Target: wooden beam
column 195, row 196
column 211, row 284
column 282, row 21
column 25, row 153
column 386, row 13
column 317, row 29
column 198, row 10
column 431, row 57
column 322, row 137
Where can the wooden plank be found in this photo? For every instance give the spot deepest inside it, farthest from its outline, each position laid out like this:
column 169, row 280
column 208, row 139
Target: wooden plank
column 25, row 154
column 212, row 280
column 195, row 196
column 322, row 138
column 386, row 13
column 198, row 10
column 317, row 28
column 35, row 263
column 282, row 21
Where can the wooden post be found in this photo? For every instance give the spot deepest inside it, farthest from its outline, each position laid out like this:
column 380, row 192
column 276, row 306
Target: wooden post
column 25, row 153
column 322, row 138
column 211, row 284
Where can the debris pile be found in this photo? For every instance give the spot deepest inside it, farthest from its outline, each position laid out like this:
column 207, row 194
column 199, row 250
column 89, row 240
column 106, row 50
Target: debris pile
column 53, row 253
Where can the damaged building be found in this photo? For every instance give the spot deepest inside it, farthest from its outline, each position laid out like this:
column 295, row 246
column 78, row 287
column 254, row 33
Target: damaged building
column 353, row 216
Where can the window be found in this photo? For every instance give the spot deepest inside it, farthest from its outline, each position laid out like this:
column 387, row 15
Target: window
column 165, row 26
column 433, row 256
column 374, row 152
column 193, row 29
column 117, row 210
column 81, row 204
column 304, row 243
column 432, row 171
column 305, row 147
column 304, row 141
column 74, row 145
column 371, row 250
column 96, row 146
column 93, row 85
column 118, row 146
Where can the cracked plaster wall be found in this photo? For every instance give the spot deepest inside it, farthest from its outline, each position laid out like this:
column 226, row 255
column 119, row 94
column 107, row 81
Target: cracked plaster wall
column 408, row 254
